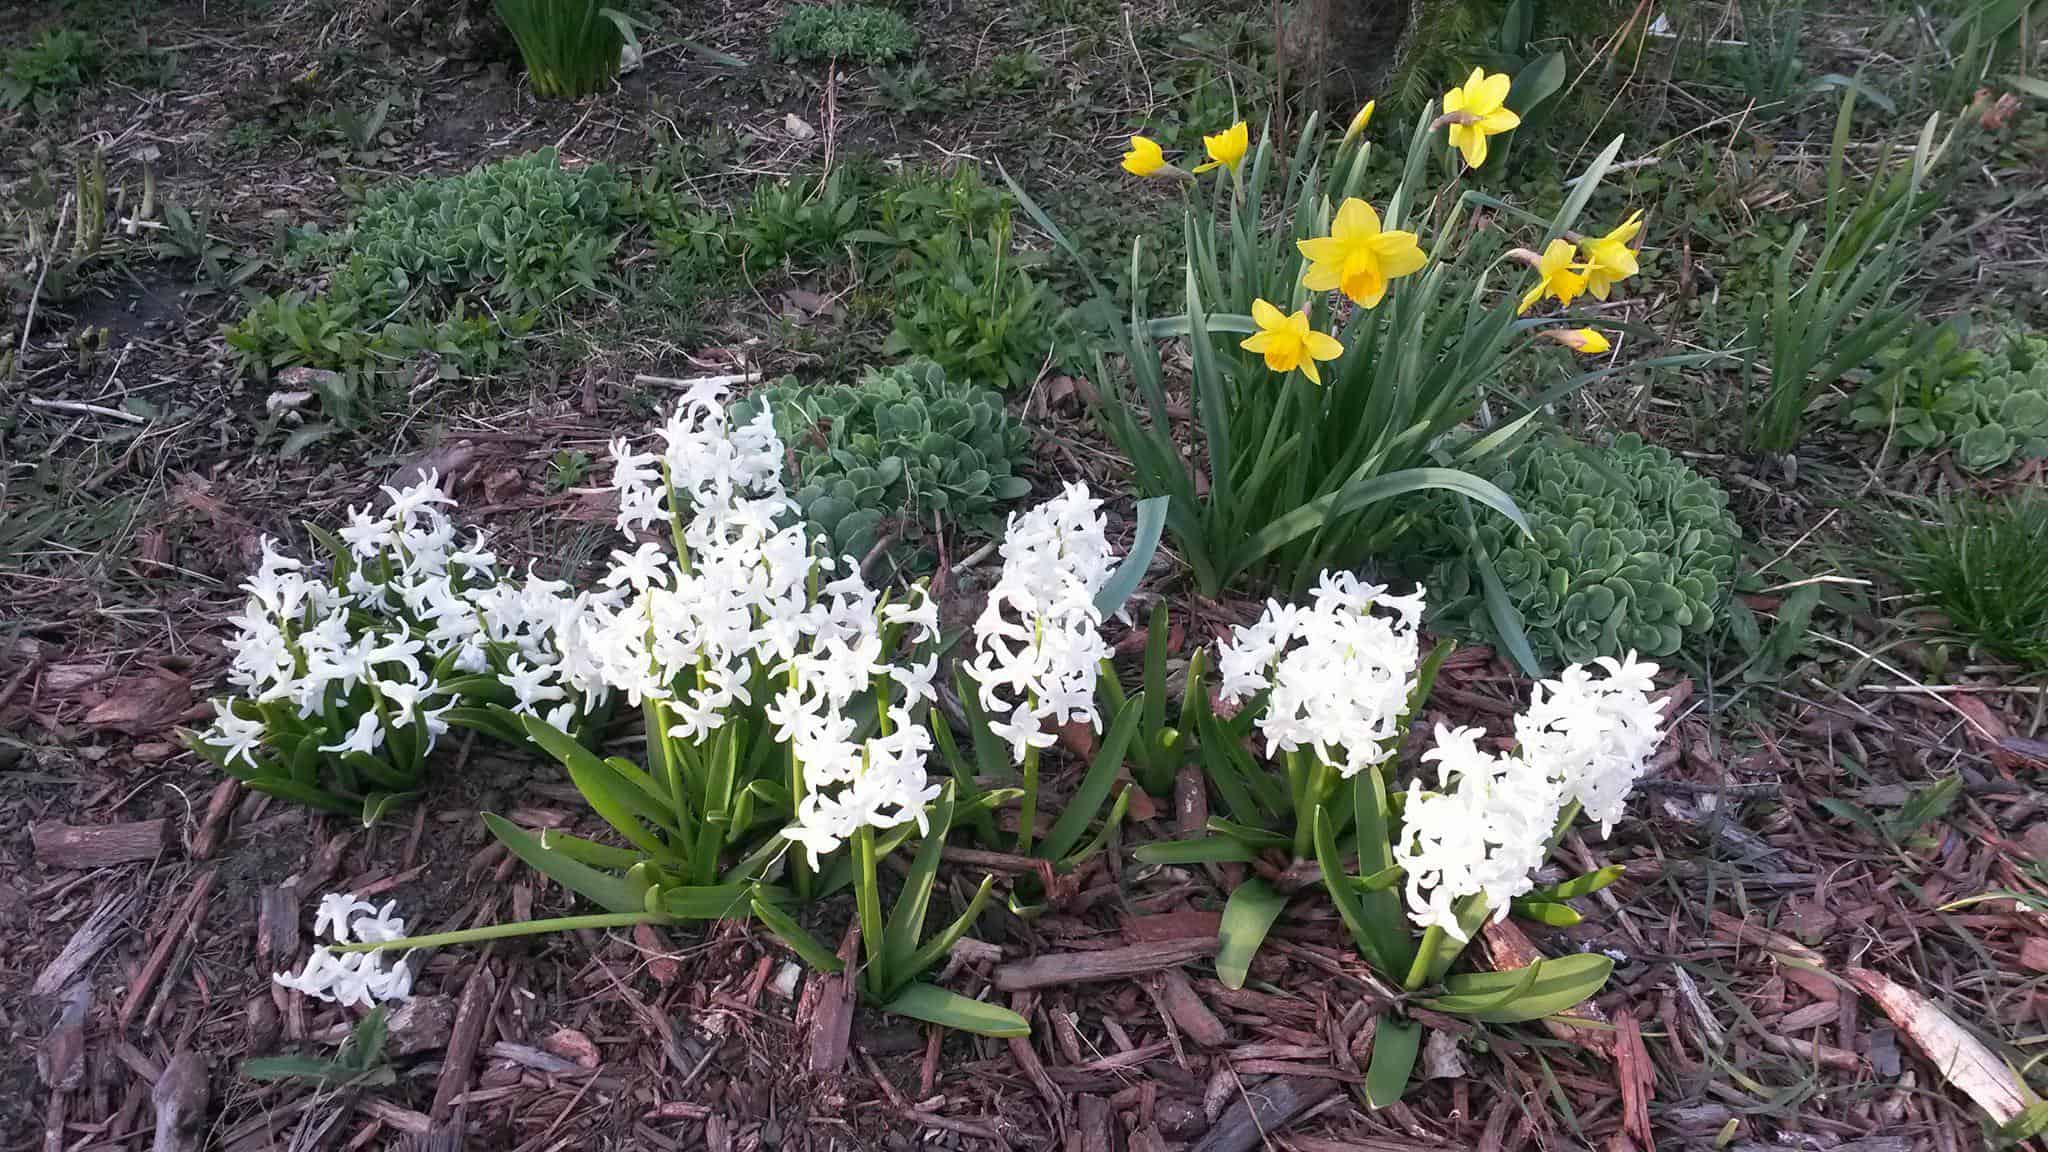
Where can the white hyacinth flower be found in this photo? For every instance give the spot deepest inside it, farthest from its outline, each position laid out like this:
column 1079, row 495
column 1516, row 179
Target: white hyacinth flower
column 1039, row 644
column 1483, row 832
column 1595, row 736
column 1339, row 672
column 352, row 978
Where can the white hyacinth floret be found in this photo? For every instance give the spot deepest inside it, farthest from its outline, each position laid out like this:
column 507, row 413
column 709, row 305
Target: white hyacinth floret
column 352, row 978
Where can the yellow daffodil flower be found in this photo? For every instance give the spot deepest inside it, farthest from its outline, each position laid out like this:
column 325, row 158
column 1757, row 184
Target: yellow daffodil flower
column 1226, row 149
column 1556, row 275
column 1609, row 259
column 1287, row 342
column 1145, row 158
column 1587, row 340
column 1475, row 111
column 1359, row 121
column 1357, row 257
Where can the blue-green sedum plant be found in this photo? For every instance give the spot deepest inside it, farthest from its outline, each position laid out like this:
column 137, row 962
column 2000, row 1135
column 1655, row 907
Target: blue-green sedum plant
column 1990, row 408
column 898, row 451
column 1628, row 548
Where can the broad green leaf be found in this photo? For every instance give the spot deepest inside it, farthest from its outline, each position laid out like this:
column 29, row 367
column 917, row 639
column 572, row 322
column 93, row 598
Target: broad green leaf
column 814, row 954
column 935, row 1005
column 1562, row 983
column 1205, row 850
column 1395, row 1044
column 1247, row 916
column 1545, row 912
column 608, row 892
column 906, row 920
column 1094, row 787
column 1124, row 581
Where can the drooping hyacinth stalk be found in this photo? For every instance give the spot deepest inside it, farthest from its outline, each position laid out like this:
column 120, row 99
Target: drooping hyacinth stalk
column 1038, row 640
column 350, row 977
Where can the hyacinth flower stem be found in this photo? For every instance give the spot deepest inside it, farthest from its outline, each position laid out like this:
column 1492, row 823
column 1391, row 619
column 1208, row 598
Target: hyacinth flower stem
column 1315, row 783
column 1027, row 807
column 1565, row 816
column 868, row 899
column 504, row 931
column 1425, row 958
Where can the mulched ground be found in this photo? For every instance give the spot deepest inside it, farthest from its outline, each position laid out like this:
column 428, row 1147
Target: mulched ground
column 144, row 904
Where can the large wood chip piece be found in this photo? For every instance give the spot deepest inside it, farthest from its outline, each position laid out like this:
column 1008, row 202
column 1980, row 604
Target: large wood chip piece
column 1961, row 1059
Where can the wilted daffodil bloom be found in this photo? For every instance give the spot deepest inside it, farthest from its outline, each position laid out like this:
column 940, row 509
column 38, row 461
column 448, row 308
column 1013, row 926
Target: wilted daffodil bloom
column 1556, row 275
column 1609, row 259
column 1357, row 257
column 1477, row 110
column 1226, row 149
column 1590, row 341
column 1145, row 158
column 1359, row 121
column 1287, row 342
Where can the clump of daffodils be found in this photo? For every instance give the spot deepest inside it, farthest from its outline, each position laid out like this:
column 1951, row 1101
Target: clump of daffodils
column 1582, row 744
column 1340, row 670
column 352, row 978
column 368, row 657
column 1038, row 641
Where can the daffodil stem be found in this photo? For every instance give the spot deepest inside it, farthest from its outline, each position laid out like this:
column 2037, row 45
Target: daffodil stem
column 504, row 931
column 1425, row 958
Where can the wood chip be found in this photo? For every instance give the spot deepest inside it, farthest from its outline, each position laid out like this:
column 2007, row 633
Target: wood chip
column 180, row 1096
column 92, row 937
column 98, row 846
column 1109, row 964
column 1961, row 1059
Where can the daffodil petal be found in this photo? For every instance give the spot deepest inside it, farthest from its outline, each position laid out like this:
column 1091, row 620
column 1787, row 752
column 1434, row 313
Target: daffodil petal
column 1323, row 346
column 1355, row 219
column 1257, row 342
column 1267, row 316
column 1308, row 369
column 1322, row 277
column 1492, row 90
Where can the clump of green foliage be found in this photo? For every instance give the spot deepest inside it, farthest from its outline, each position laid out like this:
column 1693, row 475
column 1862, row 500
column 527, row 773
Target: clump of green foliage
column 803, row 221
column 1937, row 393
column 1629, row 549
column 45, row 74
column 900, row 448
column 570, row 47
column 960, row 292
column 1977, row 565
column 854, row 31
column 452, row 267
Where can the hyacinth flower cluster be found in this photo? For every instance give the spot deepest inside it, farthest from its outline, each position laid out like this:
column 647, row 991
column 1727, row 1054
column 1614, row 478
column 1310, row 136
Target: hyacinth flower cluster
column 780, row 695
column 348, row 678
column 348, row 978
column 1039, row 659
column 1328, row 689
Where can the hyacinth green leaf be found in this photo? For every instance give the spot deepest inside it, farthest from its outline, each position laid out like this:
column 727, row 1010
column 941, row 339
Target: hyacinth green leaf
column 1547, row 912
column 1579, row 886
column 606, row 891
column 1520, row 995
column 815, row 955
column 906, row 919
column 1124, row 580
column 1395, row 1045
column 1202, row 850
column 930, row 952
column 299, row 793
column 935, row 1005
column 1094, row 787
column 376, row 804
column 728, row 901
column 1247, row 916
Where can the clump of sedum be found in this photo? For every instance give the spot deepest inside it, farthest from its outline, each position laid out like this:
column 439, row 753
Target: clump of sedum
column 1629, row 548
